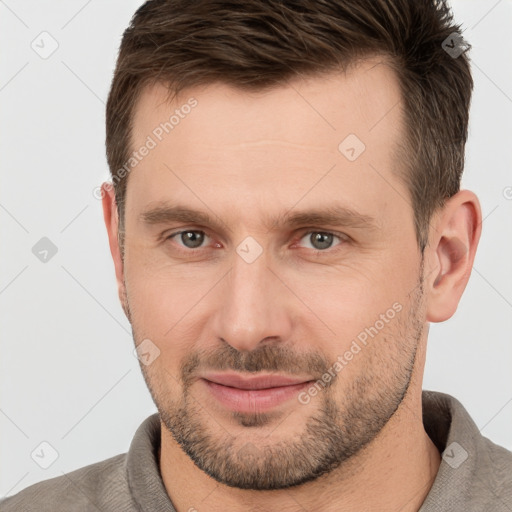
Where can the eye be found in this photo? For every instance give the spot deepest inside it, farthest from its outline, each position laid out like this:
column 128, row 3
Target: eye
column 321, row 240
column 190, row 238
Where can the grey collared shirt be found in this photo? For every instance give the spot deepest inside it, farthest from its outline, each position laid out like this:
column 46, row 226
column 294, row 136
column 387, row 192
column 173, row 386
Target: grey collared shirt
column 475, row 474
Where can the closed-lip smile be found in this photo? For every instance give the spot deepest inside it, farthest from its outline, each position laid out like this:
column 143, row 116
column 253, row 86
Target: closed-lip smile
column 255, row 393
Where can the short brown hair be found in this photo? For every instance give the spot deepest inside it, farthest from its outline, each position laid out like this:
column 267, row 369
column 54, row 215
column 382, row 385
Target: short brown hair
column 260, row 44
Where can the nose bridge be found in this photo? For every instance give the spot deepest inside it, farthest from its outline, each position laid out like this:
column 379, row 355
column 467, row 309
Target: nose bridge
column 250, row 308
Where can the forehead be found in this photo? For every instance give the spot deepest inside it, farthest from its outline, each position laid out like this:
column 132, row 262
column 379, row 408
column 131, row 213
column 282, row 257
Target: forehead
column 246, row 147
column 356, row 99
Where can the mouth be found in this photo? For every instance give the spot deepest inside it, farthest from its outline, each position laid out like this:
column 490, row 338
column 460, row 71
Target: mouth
column 253, row 394
column 253, row 382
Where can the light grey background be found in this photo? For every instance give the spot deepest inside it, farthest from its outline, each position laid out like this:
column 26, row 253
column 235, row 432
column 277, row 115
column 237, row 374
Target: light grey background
column 68, row 375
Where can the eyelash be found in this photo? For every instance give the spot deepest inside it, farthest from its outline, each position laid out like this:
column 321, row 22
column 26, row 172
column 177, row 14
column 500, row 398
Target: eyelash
column 341, row 236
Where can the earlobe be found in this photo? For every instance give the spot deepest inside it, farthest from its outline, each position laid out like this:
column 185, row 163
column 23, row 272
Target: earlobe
column 456, row 235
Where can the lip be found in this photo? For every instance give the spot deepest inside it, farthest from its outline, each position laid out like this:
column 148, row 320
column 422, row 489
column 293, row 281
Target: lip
column 253, row 394
column 253, row 382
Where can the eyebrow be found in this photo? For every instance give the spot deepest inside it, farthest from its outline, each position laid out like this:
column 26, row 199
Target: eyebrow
column 336, row 215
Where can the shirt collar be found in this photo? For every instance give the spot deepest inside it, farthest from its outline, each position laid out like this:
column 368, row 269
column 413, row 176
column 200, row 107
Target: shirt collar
column 464, row 476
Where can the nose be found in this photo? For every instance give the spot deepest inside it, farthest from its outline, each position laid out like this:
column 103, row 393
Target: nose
column 253, row 304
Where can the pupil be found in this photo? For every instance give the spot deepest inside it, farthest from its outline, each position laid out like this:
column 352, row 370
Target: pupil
column 192, row 239
column 324, row 240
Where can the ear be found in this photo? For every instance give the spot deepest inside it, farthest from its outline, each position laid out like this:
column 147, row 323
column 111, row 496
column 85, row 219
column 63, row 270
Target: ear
column 454, row 237
column 111, row 217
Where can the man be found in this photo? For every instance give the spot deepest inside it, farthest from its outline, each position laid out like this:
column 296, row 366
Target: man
column 285, row 221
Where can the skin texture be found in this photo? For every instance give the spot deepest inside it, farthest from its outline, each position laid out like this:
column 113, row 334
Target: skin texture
column 244, row 158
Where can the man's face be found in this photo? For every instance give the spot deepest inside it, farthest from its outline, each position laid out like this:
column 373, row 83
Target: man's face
column 251, row 294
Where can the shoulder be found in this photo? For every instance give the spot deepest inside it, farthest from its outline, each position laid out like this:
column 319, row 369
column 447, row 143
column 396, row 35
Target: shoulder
column 99, row 486
column 475, row 473
column 494, row 471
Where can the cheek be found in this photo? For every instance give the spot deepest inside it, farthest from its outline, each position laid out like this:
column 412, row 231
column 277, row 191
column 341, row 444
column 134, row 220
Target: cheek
column 169, row 311
column 346, row 298
column 156, row 303
column 159, row 293
column 361, row 319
